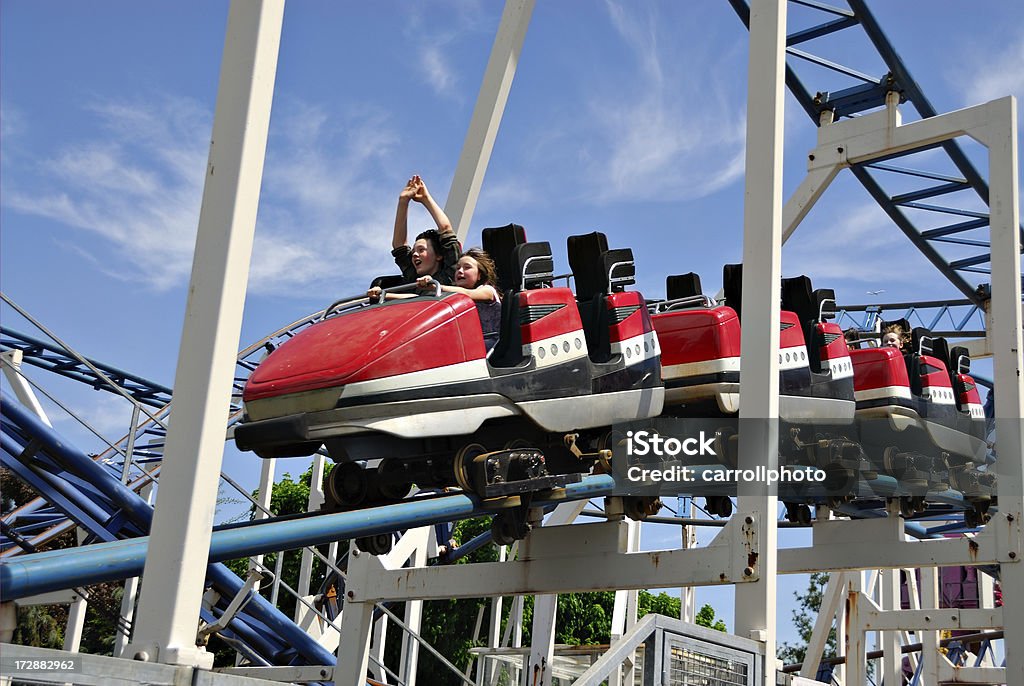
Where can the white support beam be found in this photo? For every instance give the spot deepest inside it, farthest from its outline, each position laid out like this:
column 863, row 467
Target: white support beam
column 875, row 544
column 316, row 499
column 598, row 548
column 762, row 266
column 855, row 648
column 180, row 535
column 835, row 593
column 410, row 654
column 929, row 639
column 490, row 106
column 624, row 613
column 357, row 618
column 892, row 662
column 20, row 385
column 267, row 468
column 545, row 609
column 1005, row 335
column 805, row 196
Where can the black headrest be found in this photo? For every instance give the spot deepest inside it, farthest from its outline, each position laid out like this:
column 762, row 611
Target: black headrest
column 585, row 261
column 940, row 349
column 499, row 242
column 959, row 360
column 619, row 267
column 825, row 301
column 534, row 265
column 682, row 286
column 918, row 335
column 797, row 298
column 389, row 281
column 732, row 286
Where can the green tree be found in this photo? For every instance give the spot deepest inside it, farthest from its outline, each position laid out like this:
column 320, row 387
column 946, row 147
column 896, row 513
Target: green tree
column 287, row 497
column 43, row 626
column 804, row 615
column 706, row 617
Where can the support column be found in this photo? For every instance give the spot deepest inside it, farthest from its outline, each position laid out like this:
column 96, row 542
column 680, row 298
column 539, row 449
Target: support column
column 316, row 499
column 356, row 624
column 1006, row 340
column 537, row 670
column 929, row 638
column 186, row 501
column 490, row 106
column 892, row 660
column 266, row 487
column 762, row 260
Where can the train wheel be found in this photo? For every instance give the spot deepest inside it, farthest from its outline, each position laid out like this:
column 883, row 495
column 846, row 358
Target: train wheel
column 347, row 484
column 509, row 526
column 803, row 514
column 463, row 464
column 719, row 505
column 379, row 544
column 389, row 482
column 639, row 508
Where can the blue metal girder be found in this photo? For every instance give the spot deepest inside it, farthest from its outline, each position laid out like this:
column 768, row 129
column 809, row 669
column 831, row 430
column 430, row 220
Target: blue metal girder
column 959, row 313
column 53, row 358
column 44, row 440
column 869, row 94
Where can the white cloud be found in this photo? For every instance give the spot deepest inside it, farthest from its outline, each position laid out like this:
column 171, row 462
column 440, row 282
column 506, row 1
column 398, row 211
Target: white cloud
column 437, row 70
column 108, row 414
column 657, row 138
column 996, row 76
column 137, row 186
column 859, row 244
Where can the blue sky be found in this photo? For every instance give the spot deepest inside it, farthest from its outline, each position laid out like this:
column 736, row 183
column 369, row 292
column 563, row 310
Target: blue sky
column 624, row 117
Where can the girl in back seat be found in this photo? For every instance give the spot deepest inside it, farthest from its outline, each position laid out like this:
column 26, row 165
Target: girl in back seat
column 477, row 278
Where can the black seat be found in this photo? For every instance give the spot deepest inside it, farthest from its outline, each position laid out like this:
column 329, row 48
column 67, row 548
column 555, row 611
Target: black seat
column 732, row 287
column 535, row 268
column 799, row 298
column 920, row 344
column 680, row 286
column 940, row 349
column 499, row 242
column 531, row 267
column 921, row 341
column 959, row 363
column 389, row 281
column 825, row 301
column 619, row 269
column 585, row 262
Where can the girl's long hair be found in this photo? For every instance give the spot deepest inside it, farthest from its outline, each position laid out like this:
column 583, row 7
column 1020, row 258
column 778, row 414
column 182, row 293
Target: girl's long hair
column 488, row 272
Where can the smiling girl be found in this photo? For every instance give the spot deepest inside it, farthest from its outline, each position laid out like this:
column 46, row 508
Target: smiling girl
column 477, row 278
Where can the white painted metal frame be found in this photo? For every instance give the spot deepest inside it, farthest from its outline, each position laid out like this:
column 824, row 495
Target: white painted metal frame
column 490, row 106
column 755, row 614
column 596, row 554
column 862, row 140
column 186, row 500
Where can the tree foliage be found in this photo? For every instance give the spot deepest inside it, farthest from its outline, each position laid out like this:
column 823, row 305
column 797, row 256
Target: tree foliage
column 44, row 626
column 804, row 615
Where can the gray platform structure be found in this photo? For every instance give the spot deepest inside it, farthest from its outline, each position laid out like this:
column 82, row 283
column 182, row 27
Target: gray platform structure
column 176, row 550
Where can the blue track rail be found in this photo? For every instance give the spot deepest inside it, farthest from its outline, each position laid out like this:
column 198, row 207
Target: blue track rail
column 54, row 359
column 111, row 512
